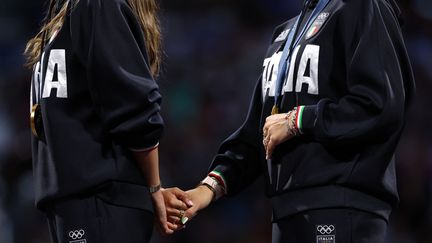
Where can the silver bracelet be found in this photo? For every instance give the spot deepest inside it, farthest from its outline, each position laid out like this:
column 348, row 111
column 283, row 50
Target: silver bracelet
column 154, row 189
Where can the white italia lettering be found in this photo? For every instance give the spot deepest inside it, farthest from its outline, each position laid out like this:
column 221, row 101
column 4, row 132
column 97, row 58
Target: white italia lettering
column 35, row 86
column 306, row 74
column 288, row 85
column 271, row 66
column 56, row 69
column 37, row 78
column 311, row 56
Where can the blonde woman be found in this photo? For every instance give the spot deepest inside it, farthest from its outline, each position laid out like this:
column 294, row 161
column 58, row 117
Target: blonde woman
column 95, row 120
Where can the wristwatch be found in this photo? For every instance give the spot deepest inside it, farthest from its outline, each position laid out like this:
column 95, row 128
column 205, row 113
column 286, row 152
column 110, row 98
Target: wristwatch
column 154, row 189
column 214, row 186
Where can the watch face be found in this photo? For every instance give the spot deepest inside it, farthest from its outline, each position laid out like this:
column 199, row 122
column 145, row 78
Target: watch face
column 214, row 183
column 211, row 182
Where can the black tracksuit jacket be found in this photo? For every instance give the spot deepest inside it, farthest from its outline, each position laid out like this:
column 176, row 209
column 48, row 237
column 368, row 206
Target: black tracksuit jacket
column 352, row 74
column 98, row 101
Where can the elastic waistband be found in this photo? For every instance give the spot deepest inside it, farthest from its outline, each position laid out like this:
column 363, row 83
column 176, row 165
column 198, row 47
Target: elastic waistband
column 333, row 196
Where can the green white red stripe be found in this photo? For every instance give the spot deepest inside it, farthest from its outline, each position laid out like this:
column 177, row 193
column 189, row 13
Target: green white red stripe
column 219, row 177
column 312, row 31
column 299, row 118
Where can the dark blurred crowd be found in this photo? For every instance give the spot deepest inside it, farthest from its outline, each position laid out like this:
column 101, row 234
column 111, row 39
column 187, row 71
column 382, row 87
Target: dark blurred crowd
column 213, row 56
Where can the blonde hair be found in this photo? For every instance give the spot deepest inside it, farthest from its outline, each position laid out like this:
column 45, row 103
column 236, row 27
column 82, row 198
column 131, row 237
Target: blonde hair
column 145, row 11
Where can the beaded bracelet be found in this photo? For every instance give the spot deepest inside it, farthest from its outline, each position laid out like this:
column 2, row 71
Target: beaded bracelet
column 291, row 122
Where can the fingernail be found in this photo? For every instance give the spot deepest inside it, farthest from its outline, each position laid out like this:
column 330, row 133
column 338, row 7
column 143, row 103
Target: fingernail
column 184, row 220
column 190, row 203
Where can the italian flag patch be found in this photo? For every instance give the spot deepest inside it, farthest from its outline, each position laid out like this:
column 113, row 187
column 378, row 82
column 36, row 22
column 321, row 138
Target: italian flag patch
column 316, row 26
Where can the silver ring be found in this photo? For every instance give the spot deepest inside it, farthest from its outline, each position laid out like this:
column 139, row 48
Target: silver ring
column 182, row 213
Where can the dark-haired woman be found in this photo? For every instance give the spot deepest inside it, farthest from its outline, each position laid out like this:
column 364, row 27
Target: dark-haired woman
column 95, row 120
column 323, row 125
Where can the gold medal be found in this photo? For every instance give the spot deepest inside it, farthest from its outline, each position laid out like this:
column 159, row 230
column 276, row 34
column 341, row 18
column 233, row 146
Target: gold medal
column 275, row 110
column 35, row 119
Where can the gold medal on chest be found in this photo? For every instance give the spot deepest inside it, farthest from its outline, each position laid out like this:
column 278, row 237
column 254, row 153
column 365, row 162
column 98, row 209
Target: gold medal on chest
column 275, row 110
column 36, row 121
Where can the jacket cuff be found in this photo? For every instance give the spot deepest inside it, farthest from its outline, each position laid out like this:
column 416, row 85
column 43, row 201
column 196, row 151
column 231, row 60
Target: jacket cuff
column 220, row 179
column 148, row 149
column 306, row 118
column 142, row 140
column 224, row 175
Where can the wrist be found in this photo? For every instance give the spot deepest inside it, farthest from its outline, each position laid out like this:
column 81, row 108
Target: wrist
column 207, row 196
column 155, row 188
column 291, row 121
column 156, row 196
column 213, row 185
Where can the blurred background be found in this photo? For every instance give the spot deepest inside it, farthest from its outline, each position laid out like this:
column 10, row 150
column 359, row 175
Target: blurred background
column 214, row 52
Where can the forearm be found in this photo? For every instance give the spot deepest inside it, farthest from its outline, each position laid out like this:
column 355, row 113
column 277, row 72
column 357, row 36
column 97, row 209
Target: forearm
column 148, row 162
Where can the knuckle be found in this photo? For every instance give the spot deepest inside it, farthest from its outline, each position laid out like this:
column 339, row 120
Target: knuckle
column 171, row 201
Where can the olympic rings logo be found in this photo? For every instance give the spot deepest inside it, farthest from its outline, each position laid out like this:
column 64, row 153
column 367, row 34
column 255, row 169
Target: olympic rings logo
column 76, row 234
column 325, row 229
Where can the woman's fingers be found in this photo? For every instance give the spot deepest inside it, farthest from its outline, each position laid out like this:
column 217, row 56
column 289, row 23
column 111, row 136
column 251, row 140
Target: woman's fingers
column 268, row 124
column 173, row 219
column 271, row 121
column 176, row 199
column 175, row 226
column 183, row 197
column 174, row 212
column 176, row 204
column 270, row 148
column 160, row 213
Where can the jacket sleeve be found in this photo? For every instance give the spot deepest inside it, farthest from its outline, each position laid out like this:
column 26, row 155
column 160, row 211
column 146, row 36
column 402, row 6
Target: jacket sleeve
column 239, row 156
column 107, row 38
column 379, row 83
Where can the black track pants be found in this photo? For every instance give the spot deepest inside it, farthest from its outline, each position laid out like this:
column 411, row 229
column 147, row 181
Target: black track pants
column 330, row 226
column 92, row 220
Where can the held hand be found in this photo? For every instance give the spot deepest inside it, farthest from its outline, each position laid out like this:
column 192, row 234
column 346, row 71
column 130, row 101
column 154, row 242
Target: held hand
column 176, row 202
column 160, row 213
column 202, row 196
column 276, row 131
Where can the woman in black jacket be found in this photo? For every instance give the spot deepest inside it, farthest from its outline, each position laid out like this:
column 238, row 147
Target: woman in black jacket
column 323, row 125
column 96, row 122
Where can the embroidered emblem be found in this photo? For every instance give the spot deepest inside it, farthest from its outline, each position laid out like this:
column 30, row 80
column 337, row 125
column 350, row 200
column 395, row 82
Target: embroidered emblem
column 316, row 26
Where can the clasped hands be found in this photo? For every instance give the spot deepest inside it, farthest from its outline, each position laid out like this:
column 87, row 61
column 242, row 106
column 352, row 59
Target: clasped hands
column 182, row 206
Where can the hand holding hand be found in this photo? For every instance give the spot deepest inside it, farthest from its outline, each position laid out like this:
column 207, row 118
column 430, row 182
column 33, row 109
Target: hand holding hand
column 176, row 203
column 160, row 213
column 202, row 196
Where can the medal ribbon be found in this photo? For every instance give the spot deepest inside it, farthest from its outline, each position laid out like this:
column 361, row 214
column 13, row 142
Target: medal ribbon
column 289, row 45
